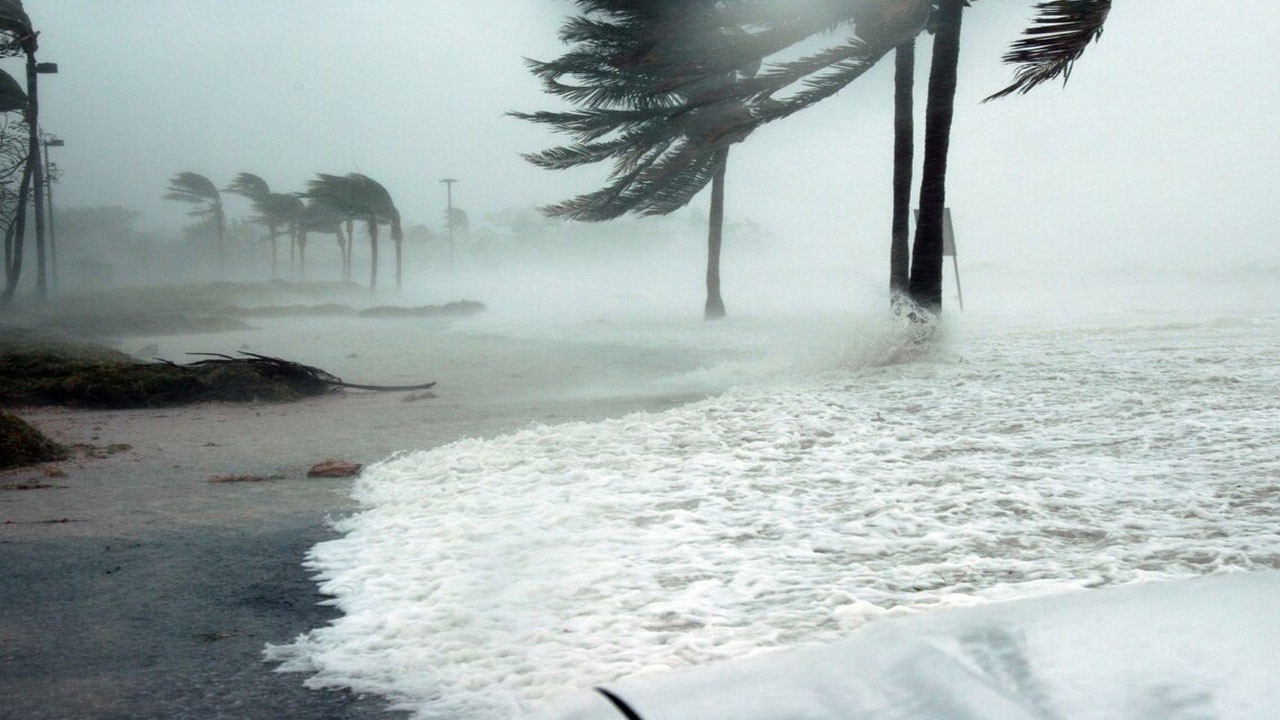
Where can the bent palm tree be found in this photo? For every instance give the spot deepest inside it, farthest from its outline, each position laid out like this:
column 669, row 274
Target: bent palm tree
column 256, row 190
column 357, row 196
column 197, row 190
column 318, row 217
column 18, row 36
column 13, row 166
column 632, row 60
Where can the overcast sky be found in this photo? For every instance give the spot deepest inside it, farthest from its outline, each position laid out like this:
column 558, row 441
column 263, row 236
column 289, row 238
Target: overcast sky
column 1164, row 143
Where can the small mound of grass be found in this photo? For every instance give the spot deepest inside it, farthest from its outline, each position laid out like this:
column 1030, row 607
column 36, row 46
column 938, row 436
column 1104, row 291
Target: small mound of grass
column 22, row 445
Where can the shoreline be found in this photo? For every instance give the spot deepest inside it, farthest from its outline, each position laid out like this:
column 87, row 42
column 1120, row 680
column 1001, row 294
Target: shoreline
column 136, row 588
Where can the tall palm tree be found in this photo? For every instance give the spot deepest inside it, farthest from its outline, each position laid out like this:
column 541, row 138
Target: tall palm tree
column 357, row 196
column 18, row 36
column 199, row 191
column 903, row 165
column 13, row 167
column 925, row 285
column 1059, row 34
column 631, row 60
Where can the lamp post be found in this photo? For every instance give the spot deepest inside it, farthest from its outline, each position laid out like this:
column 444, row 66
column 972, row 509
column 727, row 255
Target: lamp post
column 49, row 169
column 37, row 172
column 448, row 216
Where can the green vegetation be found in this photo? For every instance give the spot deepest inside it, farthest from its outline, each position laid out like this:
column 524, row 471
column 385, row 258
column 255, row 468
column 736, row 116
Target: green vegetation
column 21, row 444
column 80, row 375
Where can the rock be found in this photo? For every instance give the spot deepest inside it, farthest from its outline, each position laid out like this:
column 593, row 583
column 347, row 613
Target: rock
column 334, row 468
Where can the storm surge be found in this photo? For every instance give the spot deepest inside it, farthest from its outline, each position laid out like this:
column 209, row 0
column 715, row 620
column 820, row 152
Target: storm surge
column 487, row 577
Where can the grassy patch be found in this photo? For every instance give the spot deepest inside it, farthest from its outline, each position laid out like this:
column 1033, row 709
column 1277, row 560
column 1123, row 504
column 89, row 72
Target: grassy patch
column 22, row 445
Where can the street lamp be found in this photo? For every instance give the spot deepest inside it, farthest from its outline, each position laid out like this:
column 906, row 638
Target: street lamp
column 448, row 182
column 33, row 149
column 49, row 169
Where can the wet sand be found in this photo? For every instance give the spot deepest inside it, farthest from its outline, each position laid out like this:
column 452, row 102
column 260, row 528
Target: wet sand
column 133, row 587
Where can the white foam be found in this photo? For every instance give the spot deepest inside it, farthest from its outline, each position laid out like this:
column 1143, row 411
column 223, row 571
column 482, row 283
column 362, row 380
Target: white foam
column 485, row 577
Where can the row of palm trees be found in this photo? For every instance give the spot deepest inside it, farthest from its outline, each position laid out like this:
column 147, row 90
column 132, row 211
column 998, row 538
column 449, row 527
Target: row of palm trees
column 664, row 89
column 331, row 205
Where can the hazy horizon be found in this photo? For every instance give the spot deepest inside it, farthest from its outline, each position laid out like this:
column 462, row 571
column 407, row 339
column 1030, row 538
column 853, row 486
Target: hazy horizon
column 1157, row 154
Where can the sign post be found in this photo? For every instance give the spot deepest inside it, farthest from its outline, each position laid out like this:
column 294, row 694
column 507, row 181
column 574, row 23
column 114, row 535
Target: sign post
column 949, row 248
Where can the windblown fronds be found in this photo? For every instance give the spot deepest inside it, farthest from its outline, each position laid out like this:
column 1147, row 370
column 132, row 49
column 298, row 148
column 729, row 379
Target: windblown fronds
column 1058, row 36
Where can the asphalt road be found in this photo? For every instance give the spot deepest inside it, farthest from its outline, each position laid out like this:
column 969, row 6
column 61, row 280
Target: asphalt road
column 167, row 624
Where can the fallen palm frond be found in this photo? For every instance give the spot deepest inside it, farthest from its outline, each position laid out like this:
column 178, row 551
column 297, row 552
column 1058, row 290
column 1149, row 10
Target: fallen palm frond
column 47, row 378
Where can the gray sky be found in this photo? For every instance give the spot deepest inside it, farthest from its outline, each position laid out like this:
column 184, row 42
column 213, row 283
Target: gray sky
column 1163, row 143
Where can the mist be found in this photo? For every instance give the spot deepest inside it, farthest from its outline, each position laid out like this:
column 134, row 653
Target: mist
column 589, row 483
column 1150, row 165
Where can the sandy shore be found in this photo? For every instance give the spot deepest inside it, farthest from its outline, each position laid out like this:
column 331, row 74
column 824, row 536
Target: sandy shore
column 133, row 587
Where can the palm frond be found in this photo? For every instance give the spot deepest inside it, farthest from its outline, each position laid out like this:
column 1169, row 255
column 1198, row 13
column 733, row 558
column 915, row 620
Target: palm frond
column 1058, row 36
column 12, row 97
column 193, row 188
column 355, row 196
column 16, row 32
column 249, row 186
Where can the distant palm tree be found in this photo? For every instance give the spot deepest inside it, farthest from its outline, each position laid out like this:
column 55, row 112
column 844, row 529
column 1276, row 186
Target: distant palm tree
column 199, row 191
column 318, row 217
column 360, row 197
column 256, row 190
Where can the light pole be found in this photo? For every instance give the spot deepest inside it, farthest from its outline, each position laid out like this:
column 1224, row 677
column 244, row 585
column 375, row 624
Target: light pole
column 49, row 169
column 33, row 148
column 448, row 215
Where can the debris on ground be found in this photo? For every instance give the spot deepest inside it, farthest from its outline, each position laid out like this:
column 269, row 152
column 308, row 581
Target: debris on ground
column 334, row 468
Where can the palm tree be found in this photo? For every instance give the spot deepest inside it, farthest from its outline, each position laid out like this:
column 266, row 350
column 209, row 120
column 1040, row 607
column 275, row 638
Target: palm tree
column 197, row 190
column 318, row 217
column 639, row 109
column 256, row 190
column 903, row 162
column 695, row 112
column 357, row 196
column 1059, row 34
column 925, row 285
column 18, row 36
column 13, row 166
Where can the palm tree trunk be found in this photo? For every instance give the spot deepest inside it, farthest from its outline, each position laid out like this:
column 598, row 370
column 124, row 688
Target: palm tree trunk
column 715, row 228
column 346, row 260
column 373, row 253
column 903, row 161
column 397, row 236
column 275, row 260
column 221, row 217
column 14, row 237
column 926, row 261
column 342, row 250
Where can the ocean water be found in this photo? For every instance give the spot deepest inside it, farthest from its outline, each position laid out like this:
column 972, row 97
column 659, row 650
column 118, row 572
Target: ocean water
column 841, row 478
